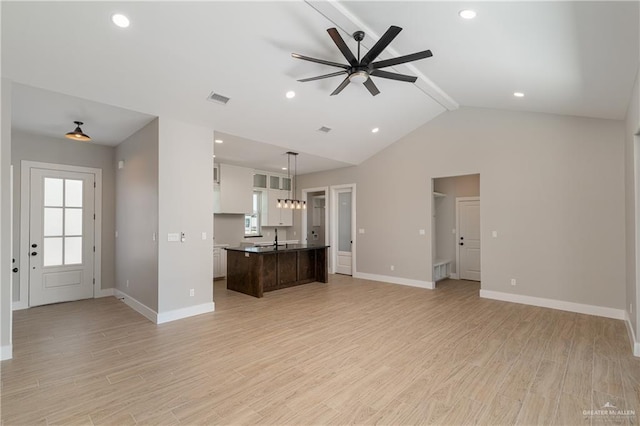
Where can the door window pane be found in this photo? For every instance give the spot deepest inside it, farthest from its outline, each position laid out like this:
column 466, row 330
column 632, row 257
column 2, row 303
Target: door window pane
column 344, row 221
column 52, row 221
column 72, row 250
column 72, row 221
column 52, row 251
column 72, row 193
column 53, row 192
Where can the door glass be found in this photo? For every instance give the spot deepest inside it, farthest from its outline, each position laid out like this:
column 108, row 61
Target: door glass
column 72, row 221
column 52, row 251
column 344, row 221
column 72, row 250
column 72, row 193
column 52, row 222
column 53, row 192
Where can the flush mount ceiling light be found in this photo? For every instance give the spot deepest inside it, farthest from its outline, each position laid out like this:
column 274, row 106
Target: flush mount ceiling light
column 467, row 14
column 290, row 203
column 290, row 94
column 120, row 20
column 518, row 94
column 78, row 134
column 218, row 141
column 375, row 130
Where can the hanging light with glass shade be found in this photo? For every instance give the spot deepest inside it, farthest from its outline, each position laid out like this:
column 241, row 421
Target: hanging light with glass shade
column 291, row 203
column 78, row 134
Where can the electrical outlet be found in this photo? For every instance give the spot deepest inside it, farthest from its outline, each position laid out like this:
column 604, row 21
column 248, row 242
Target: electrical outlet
column 513, row 281
column 494, row 234
column 393, row 268
column 127, row 283
column 192, row 292
column 295, row 233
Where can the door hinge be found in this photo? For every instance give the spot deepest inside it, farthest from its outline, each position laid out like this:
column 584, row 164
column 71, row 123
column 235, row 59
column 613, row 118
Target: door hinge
column 94, row 216
column 94, row 281
column 94, row 249
column 94, row 184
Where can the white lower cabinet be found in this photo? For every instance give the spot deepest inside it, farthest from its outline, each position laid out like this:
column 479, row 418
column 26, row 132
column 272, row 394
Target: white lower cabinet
column 220, row 261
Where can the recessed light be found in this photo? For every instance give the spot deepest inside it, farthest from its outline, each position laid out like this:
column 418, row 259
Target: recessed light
column 214, row 156
column 518, row 94
column 219, row 141
column 120, row 20
column 284, row 168
column 467, row 14
column 375, row 130
column 290, row 94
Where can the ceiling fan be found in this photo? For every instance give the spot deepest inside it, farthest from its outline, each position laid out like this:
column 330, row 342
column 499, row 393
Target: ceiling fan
column 360, row 70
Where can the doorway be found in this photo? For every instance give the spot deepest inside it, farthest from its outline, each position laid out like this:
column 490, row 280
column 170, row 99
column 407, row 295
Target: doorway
column 446, row 228
column 343, row 207
column 60, row 233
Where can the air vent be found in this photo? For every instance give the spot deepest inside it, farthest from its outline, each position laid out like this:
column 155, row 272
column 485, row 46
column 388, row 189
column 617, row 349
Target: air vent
column 324, row 129
column 218, row 98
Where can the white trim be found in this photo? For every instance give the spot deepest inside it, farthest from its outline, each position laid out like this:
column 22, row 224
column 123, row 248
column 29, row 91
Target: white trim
column 139, row 307
column 19, row 305
column 600, row 311
column 453, row 275
column 333, row 243
column 6, row 352
column 635, row 345
column 458, row 201
column 395, row 280
column 25, row 198
column 181, row 313
column 104, row 292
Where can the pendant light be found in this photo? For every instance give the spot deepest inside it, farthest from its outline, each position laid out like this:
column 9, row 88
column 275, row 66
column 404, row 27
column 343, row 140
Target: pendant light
column 290, row 203
column 78, row 134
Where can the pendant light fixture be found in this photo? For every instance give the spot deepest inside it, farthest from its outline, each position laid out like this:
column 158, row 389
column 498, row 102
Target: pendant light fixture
column 78, row 134
column 291, row 203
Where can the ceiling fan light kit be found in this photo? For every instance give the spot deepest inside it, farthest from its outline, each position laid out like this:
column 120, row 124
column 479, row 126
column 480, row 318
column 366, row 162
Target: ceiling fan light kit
column 360, row 70
column 78, row 134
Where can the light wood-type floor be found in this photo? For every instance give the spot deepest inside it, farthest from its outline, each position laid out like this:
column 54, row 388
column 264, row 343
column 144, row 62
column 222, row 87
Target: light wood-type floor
column 351, row 351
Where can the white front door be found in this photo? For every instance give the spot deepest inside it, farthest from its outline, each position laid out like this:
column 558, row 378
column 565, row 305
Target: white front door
column 344, row 227
column 468, row 212
column 61, row 236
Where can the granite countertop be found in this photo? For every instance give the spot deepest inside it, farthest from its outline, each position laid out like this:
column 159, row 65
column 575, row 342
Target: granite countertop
column 280, row 248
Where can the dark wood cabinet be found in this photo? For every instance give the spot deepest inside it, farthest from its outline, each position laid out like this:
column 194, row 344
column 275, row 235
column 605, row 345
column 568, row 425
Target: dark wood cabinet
column 255, row 270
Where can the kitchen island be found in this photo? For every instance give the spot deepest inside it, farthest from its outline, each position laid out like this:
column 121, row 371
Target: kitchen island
column 255, row 270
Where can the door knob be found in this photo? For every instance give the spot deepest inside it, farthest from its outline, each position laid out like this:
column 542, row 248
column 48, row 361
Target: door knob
column 461, row 244
column 34, row 245
column 462, row 238
column 33, row 253
column 15, row 269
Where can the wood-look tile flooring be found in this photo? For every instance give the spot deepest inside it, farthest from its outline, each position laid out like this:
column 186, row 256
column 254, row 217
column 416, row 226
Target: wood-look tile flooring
column 351, row 351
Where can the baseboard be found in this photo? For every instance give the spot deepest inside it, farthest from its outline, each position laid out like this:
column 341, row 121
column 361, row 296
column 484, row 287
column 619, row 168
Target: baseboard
column 191, row 311
column 395, row 280
column 6, row 352
column 453, row 276
column 16, row 306
column 104, row 292
column 137, row 306
column 561, row 305
column 635, row 345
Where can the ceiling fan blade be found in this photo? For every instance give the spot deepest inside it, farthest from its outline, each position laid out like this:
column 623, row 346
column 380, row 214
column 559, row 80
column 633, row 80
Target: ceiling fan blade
column 333, row 74
column 377, row 48
column 339, row 41
column 402, row 59
column 371, row 87
column 320, row 61
column 394, row 76
column 344, row 84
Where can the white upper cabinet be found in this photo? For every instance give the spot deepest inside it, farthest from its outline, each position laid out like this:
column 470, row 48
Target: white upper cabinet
column 235, row 191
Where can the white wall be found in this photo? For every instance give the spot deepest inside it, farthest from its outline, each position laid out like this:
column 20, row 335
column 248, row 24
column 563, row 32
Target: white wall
column 27, row 146
column 552, row 186
column 185, row 204
column 137, row 216
column 5, row 220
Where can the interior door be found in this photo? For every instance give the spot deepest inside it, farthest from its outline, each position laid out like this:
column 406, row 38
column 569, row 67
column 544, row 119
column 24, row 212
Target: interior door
column 61, row 236
column 469, row 239
column 344, row 225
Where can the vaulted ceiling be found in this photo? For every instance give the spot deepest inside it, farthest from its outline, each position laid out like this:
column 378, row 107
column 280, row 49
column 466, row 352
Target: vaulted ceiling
column 575, row 58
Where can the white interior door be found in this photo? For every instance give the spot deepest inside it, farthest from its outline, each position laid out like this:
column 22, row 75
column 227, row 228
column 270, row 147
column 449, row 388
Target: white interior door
column 468, row 214
column 61, row 236
column 344, row 259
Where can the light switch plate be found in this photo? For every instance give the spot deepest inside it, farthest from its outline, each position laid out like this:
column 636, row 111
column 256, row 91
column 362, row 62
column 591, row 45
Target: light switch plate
column 204, row 235
column 422, row 232
column 494, row 234
column 361, row 231
column 173, row 237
